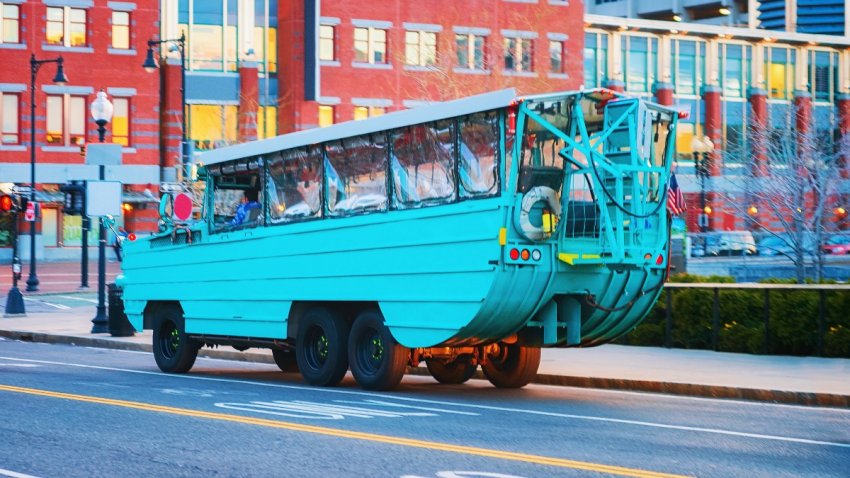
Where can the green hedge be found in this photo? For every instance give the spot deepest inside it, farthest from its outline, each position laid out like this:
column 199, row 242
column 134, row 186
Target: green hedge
column 793, row 324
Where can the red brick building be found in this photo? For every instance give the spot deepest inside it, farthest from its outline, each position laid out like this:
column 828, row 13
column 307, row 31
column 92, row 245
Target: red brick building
column 373, row 57
column 102, row 44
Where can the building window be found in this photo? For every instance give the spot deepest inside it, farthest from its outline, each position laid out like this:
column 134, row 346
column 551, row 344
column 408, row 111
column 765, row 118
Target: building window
column 66, row 26
column 595, row 59
column 823, row 74
column 363, row 112
column 121, row 30
column 420, row 48
column 735, row 130
column 212, row 126
column 9, row 118
column 266, row 122
column 518, row 54
column 639, row 62
column 265, row 48
column 327, row 47
column 370, row 45
column 556, row 56
column 265, row 34
column 326, row 115
column 212, row 36
column 735, row 69
column 470, row 51
column 66, row 120
column 10, row 27
column 121, row 121
column 779, row 72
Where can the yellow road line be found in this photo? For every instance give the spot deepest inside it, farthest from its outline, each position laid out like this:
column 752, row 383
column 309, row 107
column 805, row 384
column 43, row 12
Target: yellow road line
column 447, row 447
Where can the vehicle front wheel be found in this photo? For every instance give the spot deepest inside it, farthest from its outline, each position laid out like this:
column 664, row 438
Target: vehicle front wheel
column 377, row 361
column 173, row 350
column 511, row 365
column 321, row 348
column 451, row 373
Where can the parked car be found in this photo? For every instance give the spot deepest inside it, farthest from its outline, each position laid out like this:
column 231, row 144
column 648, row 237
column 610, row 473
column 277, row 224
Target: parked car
column 837, row 244
column 783, row 245
column 723, row 244
column 735, row 243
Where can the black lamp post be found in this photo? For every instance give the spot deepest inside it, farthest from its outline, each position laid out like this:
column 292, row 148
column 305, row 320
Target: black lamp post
column 14, row 299
column 702, row 149
column 59, row 79
column 101, row 112
column 150, row 65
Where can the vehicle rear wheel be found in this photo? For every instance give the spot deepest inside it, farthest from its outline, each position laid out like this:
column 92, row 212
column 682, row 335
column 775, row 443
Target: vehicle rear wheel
column 378, row 362
column 285, row 360
column 173, row 350
column 512, row 365
column 321, row 348
column 457, row 371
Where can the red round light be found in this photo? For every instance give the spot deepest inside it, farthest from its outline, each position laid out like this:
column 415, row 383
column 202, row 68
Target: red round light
column 514, row 254
column 6, row 203
column 525, row 254
column 131, row 237
column 660, row 259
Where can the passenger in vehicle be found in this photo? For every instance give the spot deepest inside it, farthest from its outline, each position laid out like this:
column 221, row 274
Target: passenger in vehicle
column 249, row 208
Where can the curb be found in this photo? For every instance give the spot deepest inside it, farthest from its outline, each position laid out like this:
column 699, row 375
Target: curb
column 670, row 388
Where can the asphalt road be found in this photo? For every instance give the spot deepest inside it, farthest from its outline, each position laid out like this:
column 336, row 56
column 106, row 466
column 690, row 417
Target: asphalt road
column 72, row 411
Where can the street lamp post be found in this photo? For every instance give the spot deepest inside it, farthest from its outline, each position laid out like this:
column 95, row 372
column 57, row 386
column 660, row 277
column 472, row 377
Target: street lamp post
column 150, row 65
column 101, row 112
column 702, row 148
column 60, row 79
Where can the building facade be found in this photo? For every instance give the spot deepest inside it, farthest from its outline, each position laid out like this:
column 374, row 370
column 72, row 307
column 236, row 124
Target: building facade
column 730, row 13
column 732, row 83
column 257, row 68
column 102, row 45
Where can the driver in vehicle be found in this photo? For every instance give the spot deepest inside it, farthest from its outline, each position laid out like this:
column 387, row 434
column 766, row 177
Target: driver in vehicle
column 249, row 208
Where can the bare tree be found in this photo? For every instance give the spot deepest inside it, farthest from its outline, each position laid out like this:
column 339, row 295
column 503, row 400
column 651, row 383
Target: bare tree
column 790, row 183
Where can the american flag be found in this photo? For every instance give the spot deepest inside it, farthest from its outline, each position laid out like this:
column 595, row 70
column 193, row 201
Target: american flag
column 675, row 198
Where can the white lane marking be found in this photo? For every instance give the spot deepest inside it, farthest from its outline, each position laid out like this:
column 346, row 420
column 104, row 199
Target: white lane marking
column 51, row 304
column 82, row 299
column 14, row 474
column 23, row 365
column 321, row 411
column 465, row 474
column 398, row 405
column 464, row 405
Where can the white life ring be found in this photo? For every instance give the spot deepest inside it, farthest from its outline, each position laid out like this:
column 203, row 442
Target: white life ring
column 529, row 199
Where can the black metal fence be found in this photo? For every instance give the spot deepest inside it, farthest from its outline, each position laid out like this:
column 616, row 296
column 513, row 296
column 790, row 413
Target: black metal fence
column 786, row 319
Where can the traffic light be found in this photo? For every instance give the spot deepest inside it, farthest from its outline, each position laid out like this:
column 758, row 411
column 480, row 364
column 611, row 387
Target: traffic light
column 7, row 203
column 75, row 197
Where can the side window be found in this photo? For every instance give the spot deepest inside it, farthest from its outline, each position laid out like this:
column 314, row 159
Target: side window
column 294, row 188
column 237, row 195
column 479, row 154
column 356, row 175
column 423, row 164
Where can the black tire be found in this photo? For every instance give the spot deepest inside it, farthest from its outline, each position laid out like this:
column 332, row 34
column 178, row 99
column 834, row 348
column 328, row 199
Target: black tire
column 514, row 366
column 377, row 361
column 285, row 360
column 452, row 373
column 321, row 348
column 173, row 350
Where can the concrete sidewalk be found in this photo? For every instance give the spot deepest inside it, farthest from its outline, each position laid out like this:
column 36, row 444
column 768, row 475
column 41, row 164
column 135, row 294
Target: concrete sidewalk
column 797, row 380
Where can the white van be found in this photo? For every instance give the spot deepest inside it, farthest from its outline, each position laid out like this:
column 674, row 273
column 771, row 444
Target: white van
column 735, row 243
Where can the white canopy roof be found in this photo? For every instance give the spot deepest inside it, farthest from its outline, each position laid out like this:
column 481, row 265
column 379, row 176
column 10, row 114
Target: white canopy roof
column 422, row 114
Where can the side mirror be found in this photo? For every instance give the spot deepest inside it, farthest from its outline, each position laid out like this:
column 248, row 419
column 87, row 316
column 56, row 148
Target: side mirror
column 108, row 221
column 166, row 208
